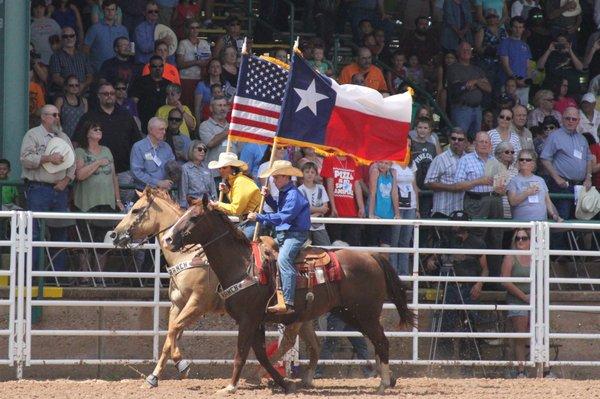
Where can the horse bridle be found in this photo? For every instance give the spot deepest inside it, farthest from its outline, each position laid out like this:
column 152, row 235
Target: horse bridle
column 138, row 219
column 204, row 246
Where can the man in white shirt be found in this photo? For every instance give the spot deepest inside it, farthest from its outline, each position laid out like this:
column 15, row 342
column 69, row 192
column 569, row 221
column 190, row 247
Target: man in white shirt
column 589, row 117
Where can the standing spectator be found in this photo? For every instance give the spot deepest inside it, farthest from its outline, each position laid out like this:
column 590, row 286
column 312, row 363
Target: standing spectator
column 414, row 71
column 595, row 150
column 193, row 54
column 187, row 11
column 373, row 75
column 231, row 38
column 173, row 101
column 196, row 178
column 252, row 154
column 343, row 182
column 560, row 62
column 567, row 158
column 422, row 153
column 319, row 62
column 170, row 72
column 174, row 136
column 528, row 194
column 66, row 14
column 589, row 121
column 498, row 6
column 442, row 81
column 122, row 65
column 519, row 122
column 457, row 21
column 97, row 15
column 563, row 17
column 71, row 106
column 591, row 59
column 521, row 8
column 165, row 10
column 561, row 99
column 203, row 93
column 319, row 203
column 422, row 41
column 466, row 87
column 310, row 155
column 120, row 132
column 100, row 38
column 68, row 61
column 515, row 55
column 488, row 120
column 230, row 70
column 133, row 13
column 383, row 201
column 9, row 194
column 213, row 132
column 41, row 30
column 544, row 106
column 395, row 78
column 47, row 189
column 150, row 92
column 149, row 157
column 125, row 102
column 502, row 168
column 440, row 177
column 549, row 125
column 144, row 34
column 487, row 41
column 504, row 132
column 481, row 201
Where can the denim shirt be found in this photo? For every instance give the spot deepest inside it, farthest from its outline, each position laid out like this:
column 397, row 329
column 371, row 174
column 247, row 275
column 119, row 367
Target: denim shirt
column 145, row 169
column 293, row 210
column 144, row 42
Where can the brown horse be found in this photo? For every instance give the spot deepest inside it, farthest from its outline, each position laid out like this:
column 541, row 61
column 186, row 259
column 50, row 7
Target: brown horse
column 358, row 298
column 192, row 291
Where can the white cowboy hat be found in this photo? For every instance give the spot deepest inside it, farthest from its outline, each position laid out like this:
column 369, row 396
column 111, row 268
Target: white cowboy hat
column 571, row 13
column 227, row 159
column 588, row 204
column 60, row 146
column 162, row 31
column 281, row 168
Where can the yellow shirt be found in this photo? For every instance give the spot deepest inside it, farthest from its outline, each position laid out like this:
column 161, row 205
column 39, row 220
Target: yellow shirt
column 163, row 113
column 244, row 196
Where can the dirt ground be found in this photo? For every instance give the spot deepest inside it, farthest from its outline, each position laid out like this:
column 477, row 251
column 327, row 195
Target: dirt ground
column 342, row 388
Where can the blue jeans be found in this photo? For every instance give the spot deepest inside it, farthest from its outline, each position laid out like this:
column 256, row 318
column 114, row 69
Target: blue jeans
column 468, row 118
column 290, row 243
column 43, row 198
column 565, row 209
column 248, row 230
column 401, row 237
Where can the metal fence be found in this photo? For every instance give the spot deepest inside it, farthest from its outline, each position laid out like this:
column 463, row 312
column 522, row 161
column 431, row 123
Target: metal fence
column 22, row 273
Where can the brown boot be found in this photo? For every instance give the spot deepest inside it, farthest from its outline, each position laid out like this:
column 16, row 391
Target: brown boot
column 281, row 307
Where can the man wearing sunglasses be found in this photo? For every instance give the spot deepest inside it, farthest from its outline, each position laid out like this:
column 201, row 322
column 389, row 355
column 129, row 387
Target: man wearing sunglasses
column 69, row 61
column 150, row 92
column 144, row 34
column 100, row 37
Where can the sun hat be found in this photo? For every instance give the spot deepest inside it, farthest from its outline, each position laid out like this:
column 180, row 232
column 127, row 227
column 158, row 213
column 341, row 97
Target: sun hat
column 571, row 13
column 161, row 32
column 588, row 98
column 227, row 159
column 281, row 167
column 60, row 146
column 588, row 204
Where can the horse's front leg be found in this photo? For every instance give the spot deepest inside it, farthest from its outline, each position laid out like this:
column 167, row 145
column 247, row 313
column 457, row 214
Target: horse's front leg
column 152, row 379
column 191, row 311
column 246, row 332
column 308, row 335
column 258, row 345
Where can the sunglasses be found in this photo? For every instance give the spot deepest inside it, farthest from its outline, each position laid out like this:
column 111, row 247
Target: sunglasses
column 454, row 138
column 55, row 114
column 549, row 127
column 505, row 117
column 521, row 238
column 107, row 93
column 73, row 84
column 570, row 118
column 201, row 149
column 525, row 159
column 71, row 36
column 175, row 119
column 509, row 152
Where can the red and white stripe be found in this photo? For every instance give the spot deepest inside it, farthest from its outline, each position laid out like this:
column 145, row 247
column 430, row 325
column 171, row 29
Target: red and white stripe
column 253, row 120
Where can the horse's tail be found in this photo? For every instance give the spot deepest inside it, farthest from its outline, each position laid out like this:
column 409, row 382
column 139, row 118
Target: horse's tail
column 396, row 291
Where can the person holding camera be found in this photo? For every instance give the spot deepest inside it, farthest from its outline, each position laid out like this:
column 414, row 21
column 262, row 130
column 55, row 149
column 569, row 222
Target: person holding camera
column 560, row 62
column 514, row 56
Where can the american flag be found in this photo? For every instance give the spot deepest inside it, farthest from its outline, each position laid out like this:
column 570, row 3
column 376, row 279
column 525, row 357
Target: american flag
column 257, row 103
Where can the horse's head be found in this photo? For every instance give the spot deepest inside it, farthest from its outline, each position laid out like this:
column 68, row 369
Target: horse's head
column 144, row 218
column 186, row 230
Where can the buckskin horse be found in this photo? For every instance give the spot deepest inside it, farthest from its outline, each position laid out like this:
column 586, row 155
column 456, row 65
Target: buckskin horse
column 368, row 279
column 192, row 285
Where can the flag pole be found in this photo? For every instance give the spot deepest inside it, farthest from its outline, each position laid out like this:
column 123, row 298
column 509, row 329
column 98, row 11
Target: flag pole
column 228, row 148
column 262, row 197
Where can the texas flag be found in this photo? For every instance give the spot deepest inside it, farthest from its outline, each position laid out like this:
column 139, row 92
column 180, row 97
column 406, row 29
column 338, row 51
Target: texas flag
column 344, row 119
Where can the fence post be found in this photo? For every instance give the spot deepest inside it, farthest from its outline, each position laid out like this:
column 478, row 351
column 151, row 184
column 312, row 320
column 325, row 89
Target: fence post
column 542, row 259
column 20, row 242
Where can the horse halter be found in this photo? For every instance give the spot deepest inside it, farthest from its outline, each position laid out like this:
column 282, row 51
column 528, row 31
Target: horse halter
column 138, row 219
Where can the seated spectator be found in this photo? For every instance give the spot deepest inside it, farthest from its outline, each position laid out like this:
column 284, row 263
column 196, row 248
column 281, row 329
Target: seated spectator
column 69, row 61
column 125, row 102
column 528, row 194
column 561, row 99
column 97, row 16
column 487, row 41
column 144, row 34
column 196, row 178
column 150, row 92
column 317, row 197
column 383, row 52
column 558, row 22
column 174, row 136
column 518, row 125
column 521, row 8
column 560, row 62
column 183, row 14
column 203, row 93
column 518, row 293
column 504, row 131
column 230, row 69
column 457, row 23
column 319, row 62
column 414, row 71
column 589, row 121
column 100, row 37
column 373, row 75
column 213, row 132
column 383, row 201
column 170, row 72
column 134, row 12
column 66, row 14
column 510, row 91
column 193, row 54
column 231, row 38
column 544, row 106
column 549, row 125
column 41, row 30
column 488, row 120
column 149, row 157
column 173, row 101
column 421, row 41
column 502, row 168
column 71, row 106
column 122, row 65
column 10, row 194
column 396, row 77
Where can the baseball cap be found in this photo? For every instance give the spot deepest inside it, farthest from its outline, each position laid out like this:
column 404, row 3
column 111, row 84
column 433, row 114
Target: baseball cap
column 588, row 98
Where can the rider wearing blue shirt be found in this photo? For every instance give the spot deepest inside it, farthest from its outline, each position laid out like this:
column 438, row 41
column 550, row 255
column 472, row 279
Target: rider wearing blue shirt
column 292, row 224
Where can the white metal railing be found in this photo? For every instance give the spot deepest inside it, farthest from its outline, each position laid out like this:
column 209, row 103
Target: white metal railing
column 7, row 330
column 21, row 332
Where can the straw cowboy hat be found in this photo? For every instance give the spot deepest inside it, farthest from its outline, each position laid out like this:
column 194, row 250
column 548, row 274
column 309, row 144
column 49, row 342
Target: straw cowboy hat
column 571, row 13
column 281, row 168
column 588, row 204
column 227, row 159
column 161, row 32
column 60, row 146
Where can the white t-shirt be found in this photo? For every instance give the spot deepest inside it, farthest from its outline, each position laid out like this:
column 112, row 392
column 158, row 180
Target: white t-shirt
column 316, row 196
column 405, row 176
column 191, row 52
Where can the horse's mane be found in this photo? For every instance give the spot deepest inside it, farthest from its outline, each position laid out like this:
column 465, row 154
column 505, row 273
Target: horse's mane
column 163, row 194
column 237, row 233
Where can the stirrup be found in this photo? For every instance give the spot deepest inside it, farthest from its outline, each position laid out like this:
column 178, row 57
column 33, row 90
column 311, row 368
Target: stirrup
column 280, row 307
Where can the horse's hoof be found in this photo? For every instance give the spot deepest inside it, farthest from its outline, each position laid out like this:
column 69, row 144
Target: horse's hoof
column 381, row 389
column 151, row 381
column 308, row 382
column 289, row 387
column 253, row 379
column 183, row 366
column 228, row 390
column 392, row 381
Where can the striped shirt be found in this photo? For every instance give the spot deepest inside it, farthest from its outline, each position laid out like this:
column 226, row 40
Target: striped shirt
column 66, row 64
column 471, row 167
column 442, row 170
column 496, row 139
